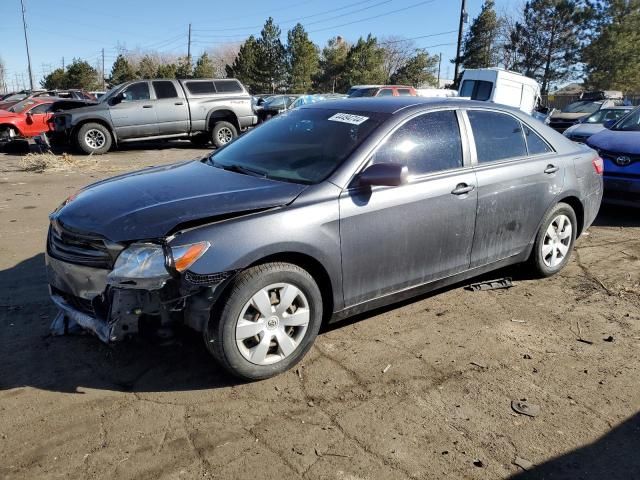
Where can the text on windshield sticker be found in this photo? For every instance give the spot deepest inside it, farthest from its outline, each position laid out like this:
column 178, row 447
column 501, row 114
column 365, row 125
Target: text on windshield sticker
column 348, row 118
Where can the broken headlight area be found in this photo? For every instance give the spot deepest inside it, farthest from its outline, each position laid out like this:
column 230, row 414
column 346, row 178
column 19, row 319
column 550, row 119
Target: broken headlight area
column 148, row 288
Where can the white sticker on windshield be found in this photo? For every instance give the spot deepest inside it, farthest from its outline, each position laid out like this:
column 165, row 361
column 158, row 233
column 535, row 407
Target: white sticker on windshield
column 348, row 118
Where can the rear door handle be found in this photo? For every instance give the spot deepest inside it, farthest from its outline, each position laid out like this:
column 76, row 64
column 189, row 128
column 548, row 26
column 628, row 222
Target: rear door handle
column 179, row 103
column 551, row 169
column 462, row 188
column 147, row 106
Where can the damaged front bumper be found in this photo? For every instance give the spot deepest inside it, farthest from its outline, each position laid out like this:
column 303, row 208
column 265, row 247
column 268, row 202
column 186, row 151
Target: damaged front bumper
column 87, row 298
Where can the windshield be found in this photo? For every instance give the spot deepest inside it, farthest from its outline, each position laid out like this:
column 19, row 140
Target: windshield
column 302, row 146
column 582, row 107
column 630, row 123
column 15, row 97
column 606, row 114
column 364, row 92
column 22, row 106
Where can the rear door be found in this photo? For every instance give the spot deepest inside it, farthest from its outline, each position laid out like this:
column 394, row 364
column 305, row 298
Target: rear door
column 399, row 237
column 135, row 116
column 171, row 108
column 519, row 177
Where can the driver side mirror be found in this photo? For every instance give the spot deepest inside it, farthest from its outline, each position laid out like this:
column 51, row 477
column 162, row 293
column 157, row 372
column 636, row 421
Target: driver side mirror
column 117, row 98
column 386, row 174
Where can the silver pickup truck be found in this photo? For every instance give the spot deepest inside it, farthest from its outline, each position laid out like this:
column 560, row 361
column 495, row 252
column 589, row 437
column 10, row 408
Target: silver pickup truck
column 203, row 110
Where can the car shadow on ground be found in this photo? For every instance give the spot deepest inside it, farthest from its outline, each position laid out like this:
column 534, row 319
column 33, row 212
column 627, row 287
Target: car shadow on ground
column 612, row 456
column 615, row 216
column 31, row 357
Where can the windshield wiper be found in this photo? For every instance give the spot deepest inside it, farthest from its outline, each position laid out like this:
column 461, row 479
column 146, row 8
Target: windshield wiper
column 239, row 169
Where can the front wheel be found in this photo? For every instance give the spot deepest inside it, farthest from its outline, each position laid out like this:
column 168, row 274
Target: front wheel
column 223, row 133
column 268, row 322
column 554, row 241
column 94, row 138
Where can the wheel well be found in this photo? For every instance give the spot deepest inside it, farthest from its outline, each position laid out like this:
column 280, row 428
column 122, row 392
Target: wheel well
column 223, row 115
column 7, row 126
column 315, row 269
column 101, row 122
column 576, row 204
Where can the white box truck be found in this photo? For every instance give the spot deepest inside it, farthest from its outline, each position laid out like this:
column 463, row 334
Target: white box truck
column 500, row 86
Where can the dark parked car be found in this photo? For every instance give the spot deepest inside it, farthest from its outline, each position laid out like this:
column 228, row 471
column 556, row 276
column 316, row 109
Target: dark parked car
column 322, row 212
column 619, row 146
column 274, row 105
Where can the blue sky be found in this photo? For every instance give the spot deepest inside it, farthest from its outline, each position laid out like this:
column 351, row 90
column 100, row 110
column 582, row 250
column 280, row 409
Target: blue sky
column 77, row 28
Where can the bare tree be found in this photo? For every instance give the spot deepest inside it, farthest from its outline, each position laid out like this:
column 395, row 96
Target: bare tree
column 508, row 56
column 3, row 77
column 223, row 55
column 397, row 52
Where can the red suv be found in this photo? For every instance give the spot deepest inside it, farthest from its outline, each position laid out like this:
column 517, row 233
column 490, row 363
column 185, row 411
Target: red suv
column 381, row 91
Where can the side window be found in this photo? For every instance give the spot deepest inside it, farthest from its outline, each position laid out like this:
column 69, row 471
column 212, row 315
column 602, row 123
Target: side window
column 137, row 91
column 425, row 144
column 476, row 89
column 404, row 92
column 42, row 108
column 385, row 92
column 165, row 89
column 498, row 136
column 535, row 143
column 200, row 88
column 227, row 86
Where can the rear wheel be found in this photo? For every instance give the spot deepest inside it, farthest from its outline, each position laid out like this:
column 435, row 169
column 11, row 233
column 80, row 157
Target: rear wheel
column 222, row 133
column 268, row 322
column 94, row 138
column 554, row 240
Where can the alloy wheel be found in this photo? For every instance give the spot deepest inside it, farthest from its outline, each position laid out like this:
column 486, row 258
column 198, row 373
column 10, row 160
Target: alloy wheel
column 557, row 240
column 94, row 138
column 225, row 135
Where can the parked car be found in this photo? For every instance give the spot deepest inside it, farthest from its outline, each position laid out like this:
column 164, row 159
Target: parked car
column 594, row 123
column 203, row 110
column 25, row 94
column 619, row 147
column 500, row 86
column 31, row 117
column 274, row 105
column 576, row 111
column 381, row 91
column 333, row 209
column 315, row 98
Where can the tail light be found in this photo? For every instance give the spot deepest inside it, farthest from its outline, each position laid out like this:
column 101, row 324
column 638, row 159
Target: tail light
column 598, row 165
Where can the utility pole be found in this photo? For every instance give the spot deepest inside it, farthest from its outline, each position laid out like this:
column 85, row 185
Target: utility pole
column 103, row 85
column 26, row 41
column 189, row 46
column 463, row 15
column 439, row 64
column 63, row 64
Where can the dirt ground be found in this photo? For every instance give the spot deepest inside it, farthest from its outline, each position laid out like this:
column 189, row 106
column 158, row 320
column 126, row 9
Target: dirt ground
column 420, row 390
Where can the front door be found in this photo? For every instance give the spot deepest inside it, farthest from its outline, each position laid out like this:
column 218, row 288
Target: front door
column 398, row 237
column 135, row 116
column 37, row 120
column 519, row 176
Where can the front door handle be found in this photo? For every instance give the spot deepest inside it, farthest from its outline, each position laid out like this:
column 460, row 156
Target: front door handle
column 178, row 103
column 551, row 169
column 462, row 188
column 147, row 106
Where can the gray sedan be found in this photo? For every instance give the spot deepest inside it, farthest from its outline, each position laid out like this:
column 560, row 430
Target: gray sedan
column 323, row 212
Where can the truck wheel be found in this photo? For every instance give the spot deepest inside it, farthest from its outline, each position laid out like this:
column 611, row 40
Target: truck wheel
column 223, row 133
column 200, row 140
column 267, row 322
column 94, row 138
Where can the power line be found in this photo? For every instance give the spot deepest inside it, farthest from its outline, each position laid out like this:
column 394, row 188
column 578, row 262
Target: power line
column 417, row 38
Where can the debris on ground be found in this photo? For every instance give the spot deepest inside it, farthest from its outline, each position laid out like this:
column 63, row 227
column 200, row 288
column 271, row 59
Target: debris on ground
column 523, row 463
column 526, row 356
column 491, row 285
column 479, row 365
column 579, row 336
column 386, row 368
column 40, row 162
column 608, row 339
column 518, row 321
column 478, row 463
column 525, row 408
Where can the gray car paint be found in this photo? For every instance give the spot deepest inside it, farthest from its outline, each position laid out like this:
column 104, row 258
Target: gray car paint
column 387, row 243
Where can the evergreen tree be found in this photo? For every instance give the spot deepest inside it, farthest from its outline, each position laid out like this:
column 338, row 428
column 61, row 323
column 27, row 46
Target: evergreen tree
column 147, row 67
column 81, row 75
column 166, row 70
column 184, row 68
column 364, row 63
column 330, row 77
column 480, row 43
column 122, row 71
column 55, row 80
column 270, row 67
column 204, row 67
column 547, row 40
column 302, row 60
column 244, row 65
column 612, row 60
column 418, row 71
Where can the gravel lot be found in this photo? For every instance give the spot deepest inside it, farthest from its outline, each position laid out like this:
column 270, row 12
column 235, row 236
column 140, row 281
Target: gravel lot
column 420, row 390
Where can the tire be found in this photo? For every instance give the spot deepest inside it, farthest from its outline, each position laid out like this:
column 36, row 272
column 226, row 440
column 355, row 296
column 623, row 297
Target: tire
column 94, row 138
column 255, row 343
column 200, row 140
column 222, row 133
column 554, row 241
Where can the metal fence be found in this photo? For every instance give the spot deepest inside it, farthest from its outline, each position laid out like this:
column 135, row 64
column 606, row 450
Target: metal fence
column 561, row 101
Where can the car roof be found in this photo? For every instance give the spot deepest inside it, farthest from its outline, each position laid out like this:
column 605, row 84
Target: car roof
column 619, row 107
column 395, row 104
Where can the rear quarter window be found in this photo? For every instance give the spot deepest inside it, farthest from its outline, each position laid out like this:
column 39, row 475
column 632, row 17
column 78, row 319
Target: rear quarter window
column 228, row 86
column 535, row 144
column 200, row 88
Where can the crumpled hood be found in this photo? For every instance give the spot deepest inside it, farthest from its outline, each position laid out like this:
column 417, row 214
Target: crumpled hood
column 616, row 141
column 567, row 116
column 584, row 129
column 149, row 203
